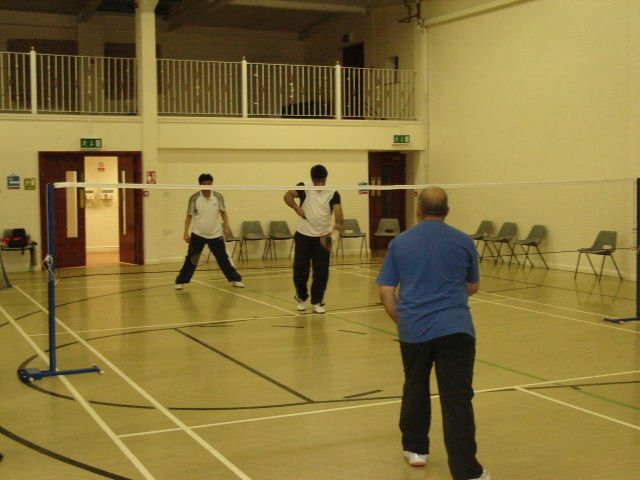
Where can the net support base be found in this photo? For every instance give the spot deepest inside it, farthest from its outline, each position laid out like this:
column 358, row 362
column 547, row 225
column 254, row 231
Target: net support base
column 622, row 320
column 32, row 374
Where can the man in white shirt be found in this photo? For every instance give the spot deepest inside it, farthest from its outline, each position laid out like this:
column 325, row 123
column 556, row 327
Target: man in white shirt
column 313, row 237
column 202, row 227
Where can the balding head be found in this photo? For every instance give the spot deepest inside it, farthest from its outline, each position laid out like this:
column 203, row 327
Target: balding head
column 433, row 202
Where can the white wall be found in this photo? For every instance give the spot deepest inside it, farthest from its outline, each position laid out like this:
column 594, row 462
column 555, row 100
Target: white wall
column 539, row 91
column 267, row 167
column 23, row 136
column 236, row 152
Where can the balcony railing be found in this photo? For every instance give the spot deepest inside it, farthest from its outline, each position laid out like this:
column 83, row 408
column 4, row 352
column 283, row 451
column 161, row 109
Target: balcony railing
column 31, row 82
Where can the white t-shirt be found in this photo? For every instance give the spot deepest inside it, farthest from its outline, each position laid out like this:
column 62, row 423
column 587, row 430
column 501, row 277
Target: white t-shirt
column 205, row 214
column 317, row 206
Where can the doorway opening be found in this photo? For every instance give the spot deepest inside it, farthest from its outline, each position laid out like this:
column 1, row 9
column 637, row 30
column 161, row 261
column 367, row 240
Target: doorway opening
column 101, row 212
column 93, row 226
column 386, row 168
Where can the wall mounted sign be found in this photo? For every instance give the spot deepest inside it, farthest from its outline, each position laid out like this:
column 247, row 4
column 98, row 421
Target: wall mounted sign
column 91, row 143
column 13, row 182
column 29, row 183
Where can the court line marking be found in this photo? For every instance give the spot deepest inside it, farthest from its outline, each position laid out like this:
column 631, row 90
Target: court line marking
column 293, row 314
column 161, row 408
column 396, row 401
column 580, row 409
column 81, row 400
column 564, row 317
column 507, row 298
column 480, row 300
column 208, row 322
column 520, row 387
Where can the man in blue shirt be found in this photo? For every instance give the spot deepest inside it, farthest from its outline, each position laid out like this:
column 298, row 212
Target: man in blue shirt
column 436, row 267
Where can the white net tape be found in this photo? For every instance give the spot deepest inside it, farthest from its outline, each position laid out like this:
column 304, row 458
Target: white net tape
column 359, row 187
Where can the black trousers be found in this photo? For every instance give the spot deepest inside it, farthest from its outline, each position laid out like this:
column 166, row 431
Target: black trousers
column 310, row 252
column 216, row 245
column 453, row 357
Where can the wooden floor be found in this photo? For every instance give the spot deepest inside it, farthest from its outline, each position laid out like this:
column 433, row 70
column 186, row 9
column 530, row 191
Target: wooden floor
column 214, row 382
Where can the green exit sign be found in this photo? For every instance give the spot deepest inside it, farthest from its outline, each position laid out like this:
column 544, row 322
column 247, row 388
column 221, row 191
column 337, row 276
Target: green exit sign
column 90, row 143
column 401, row 139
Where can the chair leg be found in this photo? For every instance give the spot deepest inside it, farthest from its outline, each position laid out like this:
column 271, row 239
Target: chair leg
column 235, row 245
column 591, row 263
column 541, row 257
column 340, row 244
column 362, row 244
column 293, row 242
column 575, row 274
column 512, row 252
column 267, row 249
column 484, row 247
column 498, row 250
column 514, row 255
column 615, row 265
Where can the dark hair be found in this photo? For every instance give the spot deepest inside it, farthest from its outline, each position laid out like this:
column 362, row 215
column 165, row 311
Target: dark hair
column 205, row 177
column 318, row 172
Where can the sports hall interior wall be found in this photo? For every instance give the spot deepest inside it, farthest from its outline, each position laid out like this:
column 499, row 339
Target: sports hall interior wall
column 534, row 91
column 540, row 91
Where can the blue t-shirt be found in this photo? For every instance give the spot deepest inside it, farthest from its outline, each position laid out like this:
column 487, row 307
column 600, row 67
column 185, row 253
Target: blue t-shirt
column 432, row 262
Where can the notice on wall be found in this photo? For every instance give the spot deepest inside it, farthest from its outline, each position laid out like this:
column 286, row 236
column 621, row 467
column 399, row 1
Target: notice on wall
column 29, row 183
column 151, row 177
column 13, row 182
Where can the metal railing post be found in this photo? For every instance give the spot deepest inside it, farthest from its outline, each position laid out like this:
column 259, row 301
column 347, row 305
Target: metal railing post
column 338, row 95
column 244, row 92
column 33, row 78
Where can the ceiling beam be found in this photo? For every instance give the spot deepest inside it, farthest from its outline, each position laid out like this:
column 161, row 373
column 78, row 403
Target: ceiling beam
column 301, row 5
column 88, row 9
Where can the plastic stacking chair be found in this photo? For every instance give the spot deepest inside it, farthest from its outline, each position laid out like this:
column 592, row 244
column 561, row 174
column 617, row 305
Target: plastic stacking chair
column 605, row 245
column 388, row 227
column 251, row 231
column 278, row 230
column 351, row 229
column 232, row 239
column 504, row 236
column 534, row 239
column 485, row 229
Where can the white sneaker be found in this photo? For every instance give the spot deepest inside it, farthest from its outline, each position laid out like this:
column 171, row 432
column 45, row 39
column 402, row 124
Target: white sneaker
column 318, row 308
column 415, row 459
column 237, row 284
column 179, row 286
column 485, row 476
column 302, row 304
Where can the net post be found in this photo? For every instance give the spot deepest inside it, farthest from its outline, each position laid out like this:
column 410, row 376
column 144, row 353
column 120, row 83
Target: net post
column 637, row 317
column 32, row 374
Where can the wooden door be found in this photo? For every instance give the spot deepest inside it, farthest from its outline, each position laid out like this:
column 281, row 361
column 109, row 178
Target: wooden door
column 69, row 245
column 130, row 211
column 386, row 168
